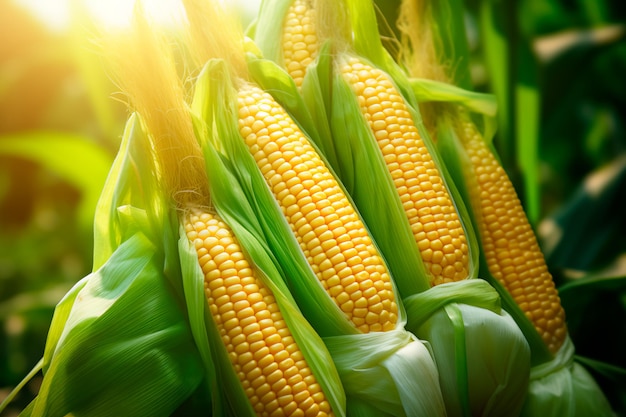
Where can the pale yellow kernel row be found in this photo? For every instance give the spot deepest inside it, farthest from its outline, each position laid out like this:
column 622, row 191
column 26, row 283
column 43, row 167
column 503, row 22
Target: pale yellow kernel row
column 328, row 229
column 431, row 213
column 269, row 364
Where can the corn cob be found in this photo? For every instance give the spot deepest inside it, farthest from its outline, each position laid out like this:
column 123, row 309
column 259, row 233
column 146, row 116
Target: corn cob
column 273, row 372
column 510, row 246
column 328, row 229
column 300, row 45
column 432, row 215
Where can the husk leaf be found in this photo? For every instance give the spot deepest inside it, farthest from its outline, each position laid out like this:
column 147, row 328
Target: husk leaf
column 119, row 341
column 482, row 356
column 387, row 374
column 563, row 387
column 269, row 39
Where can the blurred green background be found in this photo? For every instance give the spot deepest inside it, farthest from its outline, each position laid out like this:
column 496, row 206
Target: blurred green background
column 558, row 68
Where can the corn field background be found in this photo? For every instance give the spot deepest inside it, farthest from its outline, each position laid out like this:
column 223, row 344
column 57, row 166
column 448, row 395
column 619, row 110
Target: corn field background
column 556, row 66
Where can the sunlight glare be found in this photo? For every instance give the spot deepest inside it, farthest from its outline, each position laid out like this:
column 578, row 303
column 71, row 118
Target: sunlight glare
column 53, row 13
column 112, row 14
column 117, row 13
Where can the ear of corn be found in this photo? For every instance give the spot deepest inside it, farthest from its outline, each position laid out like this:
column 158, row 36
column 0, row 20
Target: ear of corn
column 120, row 333
column 255, row 329
column 289, row 345
column 482, row 170
column 417, row 177
column 567, row 390
column 510, row 256
column 429, row 198
column 510, row 248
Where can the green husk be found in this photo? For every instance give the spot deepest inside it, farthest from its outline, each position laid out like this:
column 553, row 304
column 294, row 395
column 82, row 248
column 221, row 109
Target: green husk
column 269, row 39
column 119, row 343
column 452, row 150
column 563, row 387
column 215, row 104
column 475, row 343
column 380, row 371
column 480, row 104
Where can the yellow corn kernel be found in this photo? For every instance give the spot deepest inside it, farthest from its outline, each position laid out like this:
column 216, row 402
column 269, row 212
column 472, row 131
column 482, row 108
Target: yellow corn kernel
column 260, row 346
column 317, row 210
column 431, row 213
column 510, row 245
column 300, row 44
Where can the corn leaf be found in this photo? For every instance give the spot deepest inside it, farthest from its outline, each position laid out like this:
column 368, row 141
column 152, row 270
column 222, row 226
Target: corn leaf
column 592, row 215
column 125, row 348
column 496, row 21
column 132, row 184
column 122, row 187
column 87, row 172
column 526, row 117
